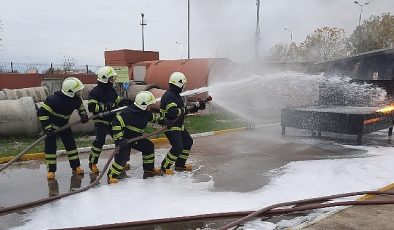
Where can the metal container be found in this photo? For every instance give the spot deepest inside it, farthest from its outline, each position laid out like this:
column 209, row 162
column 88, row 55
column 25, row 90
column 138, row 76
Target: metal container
column 344, row 120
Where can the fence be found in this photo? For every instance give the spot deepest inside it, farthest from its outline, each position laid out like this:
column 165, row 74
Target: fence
column 13, row 67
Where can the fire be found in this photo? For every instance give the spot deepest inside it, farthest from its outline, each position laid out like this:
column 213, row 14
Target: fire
column 386, row 109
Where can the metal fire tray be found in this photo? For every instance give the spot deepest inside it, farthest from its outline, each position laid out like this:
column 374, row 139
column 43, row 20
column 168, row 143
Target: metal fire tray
column 344, row 120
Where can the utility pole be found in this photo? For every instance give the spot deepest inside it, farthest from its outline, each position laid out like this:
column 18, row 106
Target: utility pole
column 142, row 30
column 361, row 10
column 181, row 45
column 291, row 34
column 188, row 29
column 257, row 38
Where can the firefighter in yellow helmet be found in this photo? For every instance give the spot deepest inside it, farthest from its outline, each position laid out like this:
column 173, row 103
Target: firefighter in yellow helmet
column 103, row 98
column 173, row 108
column 130, row 124
column 56, row 112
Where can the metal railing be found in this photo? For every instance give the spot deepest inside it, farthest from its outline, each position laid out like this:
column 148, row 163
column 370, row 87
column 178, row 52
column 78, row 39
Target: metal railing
column 14, row 67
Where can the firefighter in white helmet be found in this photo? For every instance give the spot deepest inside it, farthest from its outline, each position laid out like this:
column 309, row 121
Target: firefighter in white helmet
column 173, row 108
column 130, row 124
column 55, row 113
column 103, row 98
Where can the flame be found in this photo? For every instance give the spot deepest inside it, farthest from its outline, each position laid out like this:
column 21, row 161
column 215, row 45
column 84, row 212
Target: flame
column 386, row 109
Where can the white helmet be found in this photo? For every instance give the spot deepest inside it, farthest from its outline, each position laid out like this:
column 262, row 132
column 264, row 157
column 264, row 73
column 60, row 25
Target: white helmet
column 143, row 99
column 71, row 85
column 105, row 73
column 178, row 79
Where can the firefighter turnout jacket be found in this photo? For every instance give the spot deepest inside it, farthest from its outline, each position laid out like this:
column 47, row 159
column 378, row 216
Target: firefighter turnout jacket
column 57, row 109
column 103, row 98
column 172, row 106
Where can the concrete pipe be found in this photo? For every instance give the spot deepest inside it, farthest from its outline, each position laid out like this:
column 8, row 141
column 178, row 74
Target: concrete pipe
column 37, row 93
column 85, row 92
column 18, row 117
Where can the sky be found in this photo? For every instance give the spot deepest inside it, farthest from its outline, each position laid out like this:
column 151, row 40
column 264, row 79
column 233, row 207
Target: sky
column 43, row 31
column 291, row 182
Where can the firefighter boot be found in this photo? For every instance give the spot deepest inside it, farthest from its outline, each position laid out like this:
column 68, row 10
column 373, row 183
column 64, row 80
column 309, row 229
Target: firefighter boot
column 151, row 173
column 78, row 170
column 51, row 176
column 167, row 171
column 185, row 167
column 127, row 167
column 112, row 179
column 93, row 168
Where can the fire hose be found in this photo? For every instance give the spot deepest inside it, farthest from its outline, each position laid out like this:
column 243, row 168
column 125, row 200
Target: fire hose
column 50, row 199
column 273, row 210
column 4, row 211
column 17, row 157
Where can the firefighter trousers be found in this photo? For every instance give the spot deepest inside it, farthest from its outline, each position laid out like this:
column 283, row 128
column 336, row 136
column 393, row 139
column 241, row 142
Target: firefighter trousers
column 67, row 138
column 145, row 146
column 101, row 130
column 181, row 143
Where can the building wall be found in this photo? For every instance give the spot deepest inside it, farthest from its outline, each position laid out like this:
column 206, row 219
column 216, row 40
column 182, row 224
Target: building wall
column 17, row 81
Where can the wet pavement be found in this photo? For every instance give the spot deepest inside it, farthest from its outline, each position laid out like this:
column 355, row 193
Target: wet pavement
column 238, row 162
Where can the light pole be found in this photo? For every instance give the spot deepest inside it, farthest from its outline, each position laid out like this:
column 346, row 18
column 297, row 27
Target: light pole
column 361, row 10
column 291, row 34
column 181, row 45
column 142, row 28
column 257, row 35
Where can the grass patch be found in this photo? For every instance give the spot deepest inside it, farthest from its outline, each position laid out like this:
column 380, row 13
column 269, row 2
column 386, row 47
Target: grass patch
column 11, row 146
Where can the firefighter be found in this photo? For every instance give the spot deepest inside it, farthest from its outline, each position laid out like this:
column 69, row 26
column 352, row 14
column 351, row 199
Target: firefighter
column 130, row 124
column 173, row 107
column 56, row 112
column 102, row 98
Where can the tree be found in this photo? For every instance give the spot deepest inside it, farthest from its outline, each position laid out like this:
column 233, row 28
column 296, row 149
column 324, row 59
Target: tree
column 375, row 33
column 324, row 44
column 286, row 53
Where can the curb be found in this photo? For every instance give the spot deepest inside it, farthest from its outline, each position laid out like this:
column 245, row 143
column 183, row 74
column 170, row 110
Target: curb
column 161, row 140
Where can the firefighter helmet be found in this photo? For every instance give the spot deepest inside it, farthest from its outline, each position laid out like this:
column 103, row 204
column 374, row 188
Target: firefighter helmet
column 71, row 85
column 143, row 99
column 105, row 73
column 178, row 79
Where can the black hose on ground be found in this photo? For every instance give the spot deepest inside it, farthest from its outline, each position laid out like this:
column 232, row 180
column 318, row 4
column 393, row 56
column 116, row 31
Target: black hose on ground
column 5, row 211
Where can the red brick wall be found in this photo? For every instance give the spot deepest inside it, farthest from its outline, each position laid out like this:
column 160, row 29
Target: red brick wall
column 16, row 80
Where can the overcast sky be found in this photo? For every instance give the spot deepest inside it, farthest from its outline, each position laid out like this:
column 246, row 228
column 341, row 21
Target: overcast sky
column 41, row 31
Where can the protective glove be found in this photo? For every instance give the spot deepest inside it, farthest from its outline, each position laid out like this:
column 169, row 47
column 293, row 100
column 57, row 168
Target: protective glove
column 122, row 143
column 125, row 102
column 108, row 107
column 50, row 132
column 193, row 107
column 202, row 104
column 84, row 118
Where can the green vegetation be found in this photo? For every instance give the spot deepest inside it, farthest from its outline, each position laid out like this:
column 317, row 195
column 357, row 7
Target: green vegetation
column 11, row 146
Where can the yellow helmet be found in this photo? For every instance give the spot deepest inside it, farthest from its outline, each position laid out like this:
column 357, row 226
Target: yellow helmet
column 71, row 85
column 105, row 73
column 178, row 79
column 143, row 99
